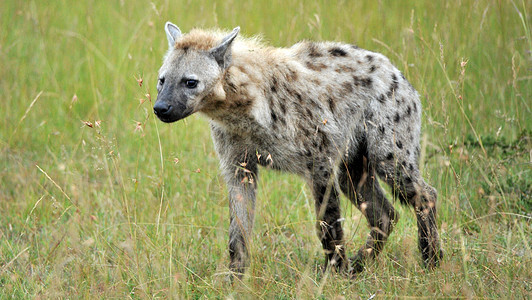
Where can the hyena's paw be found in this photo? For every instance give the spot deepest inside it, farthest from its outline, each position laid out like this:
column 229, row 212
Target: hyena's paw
column 237, row 269
column 337, row 263
column 363, row 256
column 356, row 264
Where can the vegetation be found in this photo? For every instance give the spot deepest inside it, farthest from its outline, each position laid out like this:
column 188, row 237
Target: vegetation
column 98, row 199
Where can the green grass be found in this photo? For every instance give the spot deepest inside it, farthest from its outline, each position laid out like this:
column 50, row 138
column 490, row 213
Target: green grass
column 106, row 211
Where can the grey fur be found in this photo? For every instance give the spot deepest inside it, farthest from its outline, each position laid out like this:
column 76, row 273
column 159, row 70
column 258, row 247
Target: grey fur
column 330, row 112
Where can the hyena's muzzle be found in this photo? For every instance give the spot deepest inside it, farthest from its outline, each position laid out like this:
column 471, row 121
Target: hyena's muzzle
column 170, row 111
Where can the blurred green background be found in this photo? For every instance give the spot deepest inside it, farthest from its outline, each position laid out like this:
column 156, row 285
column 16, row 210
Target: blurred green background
column 99, row 199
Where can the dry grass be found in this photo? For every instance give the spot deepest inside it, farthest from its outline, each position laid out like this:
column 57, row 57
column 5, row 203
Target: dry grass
column 98, row 200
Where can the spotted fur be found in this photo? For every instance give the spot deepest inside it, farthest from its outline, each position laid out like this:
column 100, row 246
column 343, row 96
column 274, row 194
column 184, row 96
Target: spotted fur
column 333, row 113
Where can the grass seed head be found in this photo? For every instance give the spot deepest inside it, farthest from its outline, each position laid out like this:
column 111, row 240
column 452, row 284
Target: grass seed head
column 139, row 80
column 88, row 124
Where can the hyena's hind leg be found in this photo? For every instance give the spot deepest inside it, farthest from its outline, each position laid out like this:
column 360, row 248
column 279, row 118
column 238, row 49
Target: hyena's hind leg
column 402, row 174
column 329, row 221
column 358, row 182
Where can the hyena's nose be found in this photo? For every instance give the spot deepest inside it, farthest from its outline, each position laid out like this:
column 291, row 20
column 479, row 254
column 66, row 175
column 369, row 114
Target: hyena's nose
column 161, row 109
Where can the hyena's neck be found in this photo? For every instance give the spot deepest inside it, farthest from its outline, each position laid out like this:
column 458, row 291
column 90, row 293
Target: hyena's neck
column 246, row 85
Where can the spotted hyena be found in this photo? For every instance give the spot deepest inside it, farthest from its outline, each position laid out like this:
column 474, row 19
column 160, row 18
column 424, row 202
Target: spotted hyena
column 337, row 115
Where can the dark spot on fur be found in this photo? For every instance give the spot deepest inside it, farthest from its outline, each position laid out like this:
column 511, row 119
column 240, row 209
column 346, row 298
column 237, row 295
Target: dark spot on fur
column 364, row 82
column 407, row 152
column 283, row 108
column 381, row 98
column 402, row 76
column 273, row 89
column 393, row 86
column 325, row 143
column 399, row 144
column 347, row 88
column 397, row 118
column 408, row 179
column 369, row 58
column 316, row 67
column 309, row 113
column 367, row 82
column 415, row 106
column 274, row 116
column 337, row 52
column 314, row 104
column 368, row 114
column 389, row 156
column 313, row 50
column 382, row 129
column 292, row 76
column 372, row 69
column 306, row 132
column 354, row 46
column 411, row 167
column 409, row 110
column 298, row 96
column 332, row 104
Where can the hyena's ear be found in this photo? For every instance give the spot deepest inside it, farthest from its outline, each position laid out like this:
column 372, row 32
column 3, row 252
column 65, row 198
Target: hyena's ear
column 172, row 34
column 222, row 52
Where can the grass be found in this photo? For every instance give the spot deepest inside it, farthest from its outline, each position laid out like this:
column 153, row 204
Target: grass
column 130, row 207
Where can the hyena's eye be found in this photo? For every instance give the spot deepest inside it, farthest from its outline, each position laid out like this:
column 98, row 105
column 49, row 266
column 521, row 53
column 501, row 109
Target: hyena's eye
column 161, row 81
column 191, row 83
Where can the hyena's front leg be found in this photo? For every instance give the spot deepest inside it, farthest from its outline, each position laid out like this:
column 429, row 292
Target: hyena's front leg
column 241, row 184
column 329, row 222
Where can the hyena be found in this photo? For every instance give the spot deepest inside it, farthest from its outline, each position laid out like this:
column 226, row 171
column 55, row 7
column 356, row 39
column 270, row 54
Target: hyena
column 335, row 114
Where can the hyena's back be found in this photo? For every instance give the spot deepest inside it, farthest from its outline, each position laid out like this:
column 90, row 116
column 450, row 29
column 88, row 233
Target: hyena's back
column 321, row 98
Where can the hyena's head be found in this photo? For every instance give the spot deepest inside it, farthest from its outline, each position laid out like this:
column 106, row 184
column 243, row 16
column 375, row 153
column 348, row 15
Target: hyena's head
column 191, row 73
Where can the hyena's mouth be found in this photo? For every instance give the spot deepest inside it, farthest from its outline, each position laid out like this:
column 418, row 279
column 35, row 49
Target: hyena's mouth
column 167, row 120
column 171, row 113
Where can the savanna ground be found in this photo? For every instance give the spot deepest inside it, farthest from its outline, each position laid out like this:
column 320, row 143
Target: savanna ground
column 98, row 199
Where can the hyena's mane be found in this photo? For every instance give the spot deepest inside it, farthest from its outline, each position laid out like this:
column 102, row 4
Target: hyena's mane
column 206, row 39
